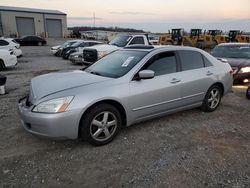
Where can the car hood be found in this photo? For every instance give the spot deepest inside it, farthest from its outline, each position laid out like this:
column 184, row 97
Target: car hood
column 56, row 47
column 237, row 62
column 105, row 47
column 51, row 83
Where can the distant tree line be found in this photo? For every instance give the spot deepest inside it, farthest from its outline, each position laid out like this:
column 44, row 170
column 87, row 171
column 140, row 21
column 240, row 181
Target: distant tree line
column 76, row 30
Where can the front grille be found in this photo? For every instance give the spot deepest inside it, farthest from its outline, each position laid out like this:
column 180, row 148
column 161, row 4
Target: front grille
column 90, row 55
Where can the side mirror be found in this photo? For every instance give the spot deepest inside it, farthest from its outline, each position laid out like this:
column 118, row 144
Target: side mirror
column 146, row 74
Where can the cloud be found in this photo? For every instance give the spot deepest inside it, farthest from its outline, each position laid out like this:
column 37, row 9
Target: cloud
column 83, row 18
column 133, row 13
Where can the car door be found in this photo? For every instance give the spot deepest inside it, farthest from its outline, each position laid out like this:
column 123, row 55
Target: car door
column 28, row 40
column 197, row 75
column 157, row 95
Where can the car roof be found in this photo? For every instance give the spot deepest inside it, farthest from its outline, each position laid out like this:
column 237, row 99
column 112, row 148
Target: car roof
column 93, row 41
column 160, row 47
column 234, row 44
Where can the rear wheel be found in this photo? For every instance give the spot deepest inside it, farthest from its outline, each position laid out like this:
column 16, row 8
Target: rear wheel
column 212, row 99
column 101, row 124
column 39, row 43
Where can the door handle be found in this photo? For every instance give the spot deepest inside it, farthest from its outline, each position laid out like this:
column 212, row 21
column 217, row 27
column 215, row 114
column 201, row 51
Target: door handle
column 209, row 73
column 175, row 80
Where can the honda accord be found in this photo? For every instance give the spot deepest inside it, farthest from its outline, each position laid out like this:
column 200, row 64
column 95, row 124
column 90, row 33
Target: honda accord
column 130, row 85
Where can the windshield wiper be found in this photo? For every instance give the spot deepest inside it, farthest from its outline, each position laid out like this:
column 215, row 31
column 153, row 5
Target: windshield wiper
column 235, row 57
column 96, row 73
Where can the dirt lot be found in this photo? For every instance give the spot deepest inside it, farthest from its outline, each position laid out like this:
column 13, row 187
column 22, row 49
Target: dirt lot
column 187, row 149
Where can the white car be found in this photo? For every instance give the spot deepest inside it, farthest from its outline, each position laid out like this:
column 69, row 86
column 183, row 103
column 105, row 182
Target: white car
column 55, row 50
column 12, row 45
column 7, row 58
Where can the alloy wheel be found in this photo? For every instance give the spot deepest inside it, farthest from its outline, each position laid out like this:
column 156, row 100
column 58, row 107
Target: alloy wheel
column 103, row 126
column 214, row 98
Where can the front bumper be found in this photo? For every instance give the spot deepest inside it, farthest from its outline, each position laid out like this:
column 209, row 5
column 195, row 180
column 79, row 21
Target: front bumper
column 56, row 126
column 18, row 52
column 53, row 51
column 11, row 61
column 76, row 59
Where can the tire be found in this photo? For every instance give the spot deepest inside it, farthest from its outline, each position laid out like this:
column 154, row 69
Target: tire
column 2, row 65
column 101, row 124
column 248, row 93
column 39, row 43
column 212, row 99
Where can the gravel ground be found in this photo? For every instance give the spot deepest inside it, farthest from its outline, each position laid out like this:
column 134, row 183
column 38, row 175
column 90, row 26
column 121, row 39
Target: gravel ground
column 186, row 149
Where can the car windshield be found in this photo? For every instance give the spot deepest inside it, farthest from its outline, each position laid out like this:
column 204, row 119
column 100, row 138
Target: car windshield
column 120, row 41
column 116, row 64
column 68, row 43
column 76, row 44
column 234, row 51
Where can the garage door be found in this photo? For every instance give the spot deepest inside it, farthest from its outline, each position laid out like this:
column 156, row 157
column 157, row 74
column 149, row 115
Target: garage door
column 25, row 26
column 54, row 28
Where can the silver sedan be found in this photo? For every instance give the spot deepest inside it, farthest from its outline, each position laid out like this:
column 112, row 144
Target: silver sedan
column 128, row 86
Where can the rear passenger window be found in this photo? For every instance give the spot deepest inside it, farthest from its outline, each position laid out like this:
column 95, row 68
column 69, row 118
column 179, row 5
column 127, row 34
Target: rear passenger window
column 191, row 60
column 3, row 43
column 163, row 63
column 137, row 40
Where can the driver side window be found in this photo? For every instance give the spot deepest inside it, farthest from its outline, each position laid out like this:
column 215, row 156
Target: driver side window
column 162, row 63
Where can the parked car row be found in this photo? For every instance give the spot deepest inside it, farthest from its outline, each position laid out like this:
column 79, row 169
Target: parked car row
column 10, row 48
column 88, row 52
column 9, row 51
column 72, row 46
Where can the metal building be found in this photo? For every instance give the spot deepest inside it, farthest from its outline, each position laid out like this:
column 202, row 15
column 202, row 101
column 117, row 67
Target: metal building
column 19, row 21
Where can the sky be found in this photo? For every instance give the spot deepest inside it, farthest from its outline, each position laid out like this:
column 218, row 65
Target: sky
column 149, row 15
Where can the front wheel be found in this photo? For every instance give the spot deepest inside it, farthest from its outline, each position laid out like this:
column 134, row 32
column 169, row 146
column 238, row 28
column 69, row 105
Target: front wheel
column 212, row 99
column 39, row 43
column 101, row 124
column 248, row 93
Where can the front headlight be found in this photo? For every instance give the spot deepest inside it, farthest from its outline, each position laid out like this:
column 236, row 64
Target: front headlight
column 54, row 105
column 244, row 70
column 101, row 54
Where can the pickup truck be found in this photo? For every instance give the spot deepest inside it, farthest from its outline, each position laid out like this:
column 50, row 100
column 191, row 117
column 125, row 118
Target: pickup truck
column 92, row 54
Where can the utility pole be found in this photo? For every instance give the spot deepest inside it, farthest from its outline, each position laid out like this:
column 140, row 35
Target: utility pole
column 94, row 19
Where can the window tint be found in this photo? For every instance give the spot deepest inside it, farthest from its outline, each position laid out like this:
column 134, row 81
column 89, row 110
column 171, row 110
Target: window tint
column 163, row 63
column 29, row 38
column 93, row 43
column 84, row 44
column 137, row 40
column 191, row 60
column 3, row 43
